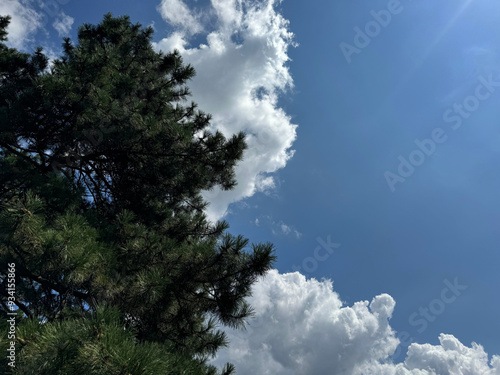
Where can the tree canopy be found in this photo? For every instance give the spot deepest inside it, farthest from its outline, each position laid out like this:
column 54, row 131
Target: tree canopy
column 102, row 164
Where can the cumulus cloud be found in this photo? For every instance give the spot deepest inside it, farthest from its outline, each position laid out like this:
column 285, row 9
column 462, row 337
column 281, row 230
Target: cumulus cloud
column 179, row 15
column 24, row 22
column 450, row 357
column 63, row 24
column 301, row 327
column 240, row 72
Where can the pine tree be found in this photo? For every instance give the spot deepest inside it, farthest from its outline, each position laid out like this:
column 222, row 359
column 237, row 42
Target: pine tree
column 102, row 164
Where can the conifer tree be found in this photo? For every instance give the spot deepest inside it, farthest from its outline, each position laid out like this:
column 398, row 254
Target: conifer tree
column 102, row 164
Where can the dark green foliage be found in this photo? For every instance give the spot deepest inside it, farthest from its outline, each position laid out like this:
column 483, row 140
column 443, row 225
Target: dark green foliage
column 118, row 270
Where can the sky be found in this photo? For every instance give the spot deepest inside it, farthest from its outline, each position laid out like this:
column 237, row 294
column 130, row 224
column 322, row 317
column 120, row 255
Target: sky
column 373, row 166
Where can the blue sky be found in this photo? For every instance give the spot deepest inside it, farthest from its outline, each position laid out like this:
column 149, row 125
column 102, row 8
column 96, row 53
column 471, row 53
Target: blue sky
column 376, row 168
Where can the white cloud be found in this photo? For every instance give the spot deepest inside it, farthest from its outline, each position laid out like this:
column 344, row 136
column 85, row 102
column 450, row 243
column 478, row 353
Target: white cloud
column 23, row 24
column 63, row 24
column 178, row 15
column 450, row 357
column 277, row 227
column 240, row 72
column 265, row 184
column 301, row 327
column 285, row 229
